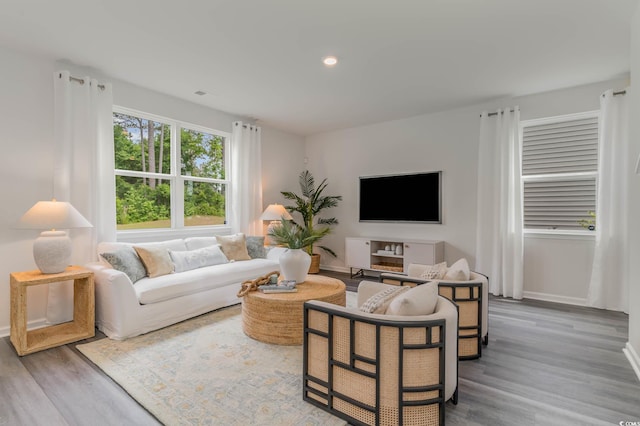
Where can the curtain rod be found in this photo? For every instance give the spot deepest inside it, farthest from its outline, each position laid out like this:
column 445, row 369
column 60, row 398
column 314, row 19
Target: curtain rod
column 81, row 81
column 244, row 126
column 620, row 92
column 491, row 114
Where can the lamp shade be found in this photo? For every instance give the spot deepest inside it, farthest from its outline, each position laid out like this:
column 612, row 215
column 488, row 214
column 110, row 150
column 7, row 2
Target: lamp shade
column 275, row 212
column 52, row 249
column 52, row 215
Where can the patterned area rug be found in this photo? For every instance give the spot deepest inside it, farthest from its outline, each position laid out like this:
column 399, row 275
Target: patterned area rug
column 206, row 371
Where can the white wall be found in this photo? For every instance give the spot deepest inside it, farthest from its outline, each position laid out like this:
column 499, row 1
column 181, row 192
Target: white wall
column 448, row 141
column 633, row 346
column 26, row 167
column 26, row 117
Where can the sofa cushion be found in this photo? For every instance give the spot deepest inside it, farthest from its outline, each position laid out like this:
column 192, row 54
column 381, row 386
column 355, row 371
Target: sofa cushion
column 255, row 247
column 126, row 259
column 378, row 303
column 156, row 260
column 419, row 300
column 154, row 290
column 198, row 258
column 234, row 246
column 434, row 272
column 194, row 243
column 459, row 271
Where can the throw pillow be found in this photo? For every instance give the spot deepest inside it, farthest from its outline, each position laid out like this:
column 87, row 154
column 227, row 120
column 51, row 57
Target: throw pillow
column 459, row 271
column 156, row 260
column 199, row 258
column 434, row 272
column 420, row 300
column 234, row 246
column 126, row 260
column 378, row 303
column 255, row 247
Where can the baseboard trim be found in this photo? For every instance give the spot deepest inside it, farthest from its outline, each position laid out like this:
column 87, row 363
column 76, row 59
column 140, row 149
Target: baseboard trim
column 633, row 358
column 38, row 323
column 578, row 301
column 335, row 268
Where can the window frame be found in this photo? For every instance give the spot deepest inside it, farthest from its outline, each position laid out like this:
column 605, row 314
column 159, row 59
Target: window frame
column 177, row 182
column 554, row 177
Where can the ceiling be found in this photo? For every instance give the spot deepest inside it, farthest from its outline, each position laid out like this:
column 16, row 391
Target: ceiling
column 262, row 58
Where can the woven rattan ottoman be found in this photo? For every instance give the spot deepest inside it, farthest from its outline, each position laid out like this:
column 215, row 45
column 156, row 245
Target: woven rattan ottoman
column 278, row 317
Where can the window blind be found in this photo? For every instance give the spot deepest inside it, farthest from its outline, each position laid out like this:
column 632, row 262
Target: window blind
column 559, row 168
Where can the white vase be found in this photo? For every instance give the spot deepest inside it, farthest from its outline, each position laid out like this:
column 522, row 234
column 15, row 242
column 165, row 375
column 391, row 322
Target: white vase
column 294, row 265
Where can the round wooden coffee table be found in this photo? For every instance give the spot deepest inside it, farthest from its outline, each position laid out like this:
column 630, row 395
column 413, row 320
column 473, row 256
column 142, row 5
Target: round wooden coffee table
column 278, row 317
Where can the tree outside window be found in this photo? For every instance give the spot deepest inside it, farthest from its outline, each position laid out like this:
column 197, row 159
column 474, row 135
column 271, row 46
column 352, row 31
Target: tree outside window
column 168, row 174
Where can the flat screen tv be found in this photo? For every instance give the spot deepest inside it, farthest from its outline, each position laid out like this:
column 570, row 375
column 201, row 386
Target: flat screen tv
column 410, row 197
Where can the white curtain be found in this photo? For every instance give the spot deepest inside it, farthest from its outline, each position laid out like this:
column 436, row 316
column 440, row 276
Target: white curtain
column 83, row 172
column 609, row 284
column 499, row 241
column 246, row 179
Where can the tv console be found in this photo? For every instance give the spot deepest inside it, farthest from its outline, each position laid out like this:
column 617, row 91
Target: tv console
column 378, row 254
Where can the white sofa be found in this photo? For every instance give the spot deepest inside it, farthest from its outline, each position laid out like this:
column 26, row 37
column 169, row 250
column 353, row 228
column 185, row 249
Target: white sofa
column 125, row 309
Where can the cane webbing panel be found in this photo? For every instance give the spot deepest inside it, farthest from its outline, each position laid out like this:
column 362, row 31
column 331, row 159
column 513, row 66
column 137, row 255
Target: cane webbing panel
column 371, row 384
column 468, row 297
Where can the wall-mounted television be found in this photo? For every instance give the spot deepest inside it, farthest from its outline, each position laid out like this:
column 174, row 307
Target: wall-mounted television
column 408, row 197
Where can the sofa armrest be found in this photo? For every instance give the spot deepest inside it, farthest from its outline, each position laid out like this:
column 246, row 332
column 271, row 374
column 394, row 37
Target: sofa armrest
column 116, row 300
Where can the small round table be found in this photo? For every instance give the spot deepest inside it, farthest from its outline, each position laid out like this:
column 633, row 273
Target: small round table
column 278, row 317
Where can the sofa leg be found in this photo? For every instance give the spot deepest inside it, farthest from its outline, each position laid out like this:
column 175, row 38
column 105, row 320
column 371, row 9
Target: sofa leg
column 485, row 340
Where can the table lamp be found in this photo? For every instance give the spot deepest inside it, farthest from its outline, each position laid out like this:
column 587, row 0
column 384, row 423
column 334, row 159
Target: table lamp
column 274, row 214
column 52, row 249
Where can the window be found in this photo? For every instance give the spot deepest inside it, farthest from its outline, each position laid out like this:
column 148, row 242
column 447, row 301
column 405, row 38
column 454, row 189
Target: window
column 559, row 172
column 169, row 174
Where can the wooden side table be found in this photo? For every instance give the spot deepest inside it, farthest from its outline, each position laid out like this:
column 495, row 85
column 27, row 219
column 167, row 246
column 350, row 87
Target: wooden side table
column 82, row 326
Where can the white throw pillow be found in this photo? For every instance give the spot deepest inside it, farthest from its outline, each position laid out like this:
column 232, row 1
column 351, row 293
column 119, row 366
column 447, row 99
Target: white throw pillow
column 378, row 303
column 434, row 272
column 420, row 300
column 199, row 258
column 459, row 271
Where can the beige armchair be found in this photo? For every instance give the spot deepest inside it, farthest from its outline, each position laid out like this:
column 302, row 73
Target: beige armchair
column 472, row 298
column 377, row 369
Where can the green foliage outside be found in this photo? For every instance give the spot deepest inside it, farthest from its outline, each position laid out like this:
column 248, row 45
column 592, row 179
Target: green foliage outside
column 147, row 201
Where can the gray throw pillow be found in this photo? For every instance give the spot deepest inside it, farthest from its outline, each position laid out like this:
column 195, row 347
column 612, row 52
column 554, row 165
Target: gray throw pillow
column 126, row 260
column 255, row 247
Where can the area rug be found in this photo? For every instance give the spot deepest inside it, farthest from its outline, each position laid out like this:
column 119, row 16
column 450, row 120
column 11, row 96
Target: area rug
column 206, row 371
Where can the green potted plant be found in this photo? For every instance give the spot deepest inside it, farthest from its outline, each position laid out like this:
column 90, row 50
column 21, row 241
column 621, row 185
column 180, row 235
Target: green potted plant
column 309, row 205
column 295, row 262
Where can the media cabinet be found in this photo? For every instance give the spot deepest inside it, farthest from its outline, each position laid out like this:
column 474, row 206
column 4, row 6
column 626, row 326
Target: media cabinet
column 370, row 254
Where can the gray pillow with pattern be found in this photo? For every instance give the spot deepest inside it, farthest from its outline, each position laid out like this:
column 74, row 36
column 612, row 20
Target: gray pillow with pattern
column 126, row 260
column 255, row 247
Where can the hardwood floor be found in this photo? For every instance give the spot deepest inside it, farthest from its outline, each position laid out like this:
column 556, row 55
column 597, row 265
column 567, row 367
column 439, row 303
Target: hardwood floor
column 546, row 364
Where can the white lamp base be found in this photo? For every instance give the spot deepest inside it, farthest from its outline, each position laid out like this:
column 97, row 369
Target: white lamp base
column 52, row 251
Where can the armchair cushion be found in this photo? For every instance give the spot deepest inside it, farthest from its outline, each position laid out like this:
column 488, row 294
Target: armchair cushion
column 379, row 302
column 459, row 271
column 434, row 272
column 419, row 300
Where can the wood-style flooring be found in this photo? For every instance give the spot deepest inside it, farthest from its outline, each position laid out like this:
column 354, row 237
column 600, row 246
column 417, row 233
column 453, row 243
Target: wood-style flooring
column 546, row 364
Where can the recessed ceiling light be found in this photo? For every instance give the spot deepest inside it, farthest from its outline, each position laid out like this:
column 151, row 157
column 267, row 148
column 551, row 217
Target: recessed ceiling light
column 330, row 61
column 200, row 93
